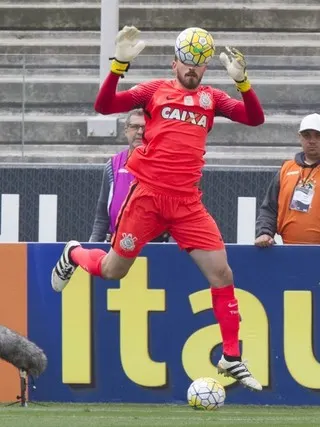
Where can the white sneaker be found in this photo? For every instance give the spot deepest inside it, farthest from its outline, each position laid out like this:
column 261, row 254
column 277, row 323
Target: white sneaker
column 64, row 269
column 240, row 372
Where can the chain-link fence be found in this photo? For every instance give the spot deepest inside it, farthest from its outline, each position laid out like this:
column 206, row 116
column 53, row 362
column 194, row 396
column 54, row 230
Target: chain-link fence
column 223, row 186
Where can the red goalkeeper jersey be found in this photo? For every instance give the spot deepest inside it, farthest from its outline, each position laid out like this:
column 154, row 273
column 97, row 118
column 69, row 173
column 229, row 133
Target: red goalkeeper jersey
column 177, row 125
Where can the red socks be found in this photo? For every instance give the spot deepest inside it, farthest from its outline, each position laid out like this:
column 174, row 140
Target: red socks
column 225, row 308
column 88, row 259
column 224, row 303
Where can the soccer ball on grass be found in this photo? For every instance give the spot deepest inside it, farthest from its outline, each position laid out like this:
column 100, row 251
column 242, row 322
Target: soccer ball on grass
column 206, row 394
column 194, row 46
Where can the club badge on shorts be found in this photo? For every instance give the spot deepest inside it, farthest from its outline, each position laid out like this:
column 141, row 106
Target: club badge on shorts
column 127, row 243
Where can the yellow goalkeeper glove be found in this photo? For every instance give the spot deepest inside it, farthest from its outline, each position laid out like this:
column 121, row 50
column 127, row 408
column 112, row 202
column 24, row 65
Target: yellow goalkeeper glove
column 236, row 66
column 128, row 47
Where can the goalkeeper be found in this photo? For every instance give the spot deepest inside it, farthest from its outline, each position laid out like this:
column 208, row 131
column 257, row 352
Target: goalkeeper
column 165, row 195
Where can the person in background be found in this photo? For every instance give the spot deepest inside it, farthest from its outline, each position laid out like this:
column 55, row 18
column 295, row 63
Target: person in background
column 116, row 182
column 291, row 206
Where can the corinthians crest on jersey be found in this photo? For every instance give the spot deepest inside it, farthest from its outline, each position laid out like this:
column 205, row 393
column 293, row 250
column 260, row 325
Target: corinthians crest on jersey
column 205, row 100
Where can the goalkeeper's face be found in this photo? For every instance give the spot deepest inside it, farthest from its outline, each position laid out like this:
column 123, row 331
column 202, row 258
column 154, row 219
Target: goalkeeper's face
column 188, row 76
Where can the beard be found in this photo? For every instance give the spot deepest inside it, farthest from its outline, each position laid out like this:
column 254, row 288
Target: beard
column 189, row 80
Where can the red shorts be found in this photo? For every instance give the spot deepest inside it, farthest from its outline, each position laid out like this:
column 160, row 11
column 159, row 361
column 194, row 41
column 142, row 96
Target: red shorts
column 147, row 213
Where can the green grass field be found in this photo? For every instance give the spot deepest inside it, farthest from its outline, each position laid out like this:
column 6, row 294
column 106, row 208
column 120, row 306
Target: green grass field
column 125, row 415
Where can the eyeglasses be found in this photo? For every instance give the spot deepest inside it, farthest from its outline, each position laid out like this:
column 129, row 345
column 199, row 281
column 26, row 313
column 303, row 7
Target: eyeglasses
column 136, row 127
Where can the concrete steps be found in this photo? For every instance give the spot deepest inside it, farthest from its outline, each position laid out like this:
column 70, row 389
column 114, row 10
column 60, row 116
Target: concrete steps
column 56, row 45
column 221, row 3
column 146, row 63
column 247, row 156
column 67, row 91
column 39, row 153
column 91, row 74
column 90, row 154
column 61, row 3
column 258, row 44
column 223, row 16
column 281, row 94
column 169, row 16
column 49, row 42
column 279, row 130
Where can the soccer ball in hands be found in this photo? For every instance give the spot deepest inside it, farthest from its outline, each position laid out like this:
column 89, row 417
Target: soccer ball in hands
column 194, row 46
column 206, row 393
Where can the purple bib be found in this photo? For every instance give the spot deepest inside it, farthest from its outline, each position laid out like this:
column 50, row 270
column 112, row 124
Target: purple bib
column 121, row 183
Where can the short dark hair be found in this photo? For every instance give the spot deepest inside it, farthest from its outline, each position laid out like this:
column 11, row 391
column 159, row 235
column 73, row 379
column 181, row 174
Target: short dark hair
column 135, row 112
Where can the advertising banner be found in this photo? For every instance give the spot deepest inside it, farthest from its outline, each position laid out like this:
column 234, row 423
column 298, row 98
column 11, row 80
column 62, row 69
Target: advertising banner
column 146, row 337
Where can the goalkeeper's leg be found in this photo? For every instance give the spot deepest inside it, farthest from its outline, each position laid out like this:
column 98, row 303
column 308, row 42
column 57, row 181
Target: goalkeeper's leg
column 138, row 223
column 97, row 262
column 196, row 231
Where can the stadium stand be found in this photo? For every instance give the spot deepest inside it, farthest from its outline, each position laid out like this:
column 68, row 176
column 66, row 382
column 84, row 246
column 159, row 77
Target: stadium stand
column 49, row 63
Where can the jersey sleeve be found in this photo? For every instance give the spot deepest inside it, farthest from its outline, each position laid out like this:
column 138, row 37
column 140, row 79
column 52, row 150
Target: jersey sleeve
column 248, row 111
column 110, row 101
column 224, row 103
column 143, row 92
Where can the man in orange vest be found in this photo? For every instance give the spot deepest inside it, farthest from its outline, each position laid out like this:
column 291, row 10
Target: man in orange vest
column 291, row 206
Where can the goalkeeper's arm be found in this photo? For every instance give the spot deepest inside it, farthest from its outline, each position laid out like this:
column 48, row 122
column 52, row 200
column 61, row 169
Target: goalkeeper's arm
column 108, row 101
column 249, row 111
